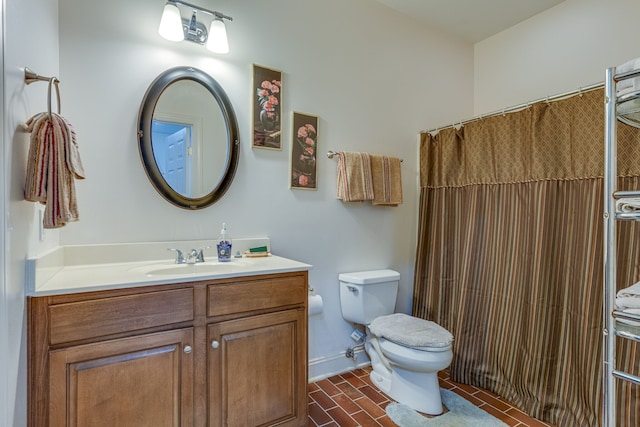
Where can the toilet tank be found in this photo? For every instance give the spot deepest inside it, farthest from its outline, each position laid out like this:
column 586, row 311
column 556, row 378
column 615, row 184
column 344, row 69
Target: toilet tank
column 365, row 295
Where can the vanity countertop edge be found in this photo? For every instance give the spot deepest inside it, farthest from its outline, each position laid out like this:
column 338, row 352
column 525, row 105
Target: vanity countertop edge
column 52, row 274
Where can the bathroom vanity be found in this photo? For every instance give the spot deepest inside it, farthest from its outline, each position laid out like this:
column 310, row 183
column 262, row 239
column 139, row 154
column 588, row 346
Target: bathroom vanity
column 182, row 349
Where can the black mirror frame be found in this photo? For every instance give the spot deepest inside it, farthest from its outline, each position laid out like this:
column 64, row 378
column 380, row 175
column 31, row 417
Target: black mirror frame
column 145, row 119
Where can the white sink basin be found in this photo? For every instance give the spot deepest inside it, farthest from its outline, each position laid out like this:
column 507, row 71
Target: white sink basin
column 191, row 269
column 209, row 267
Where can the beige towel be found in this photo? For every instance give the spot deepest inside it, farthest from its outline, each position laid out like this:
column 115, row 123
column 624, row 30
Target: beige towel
column 387, row 180
column 354, row 177
column 53, row 163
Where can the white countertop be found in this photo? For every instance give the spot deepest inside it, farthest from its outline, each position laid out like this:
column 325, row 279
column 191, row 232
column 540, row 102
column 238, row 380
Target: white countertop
column 63, row 270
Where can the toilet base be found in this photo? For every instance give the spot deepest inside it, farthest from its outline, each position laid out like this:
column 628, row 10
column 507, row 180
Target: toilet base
column 383, row 382
column 419, row 391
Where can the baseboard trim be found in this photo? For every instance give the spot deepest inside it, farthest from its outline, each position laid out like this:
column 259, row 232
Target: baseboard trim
column 327, row 366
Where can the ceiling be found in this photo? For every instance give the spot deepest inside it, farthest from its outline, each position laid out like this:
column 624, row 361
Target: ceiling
column 471, row 20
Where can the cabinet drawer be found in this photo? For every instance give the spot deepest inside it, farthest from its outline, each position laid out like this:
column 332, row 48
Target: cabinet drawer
column 95, row 318
column 237, row 297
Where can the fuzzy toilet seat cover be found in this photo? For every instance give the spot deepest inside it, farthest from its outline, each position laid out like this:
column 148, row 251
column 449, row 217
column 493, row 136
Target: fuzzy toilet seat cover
column 410, row 331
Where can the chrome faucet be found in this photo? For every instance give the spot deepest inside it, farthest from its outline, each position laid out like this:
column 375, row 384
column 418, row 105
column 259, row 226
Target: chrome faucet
column 194, row 256
column 179, row 256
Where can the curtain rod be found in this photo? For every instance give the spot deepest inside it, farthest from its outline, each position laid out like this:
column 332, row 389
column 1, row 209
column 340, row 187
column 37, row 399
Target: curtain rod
column 580, row 91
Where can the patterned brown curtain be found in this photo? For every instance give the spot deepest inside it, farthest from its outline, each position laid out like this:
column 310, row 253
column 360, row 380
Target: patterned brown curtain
column 510, row 255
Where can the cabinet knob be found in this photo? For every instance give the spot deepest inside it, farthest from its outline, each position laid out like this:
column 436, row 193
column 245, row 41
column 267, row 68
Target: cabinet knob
column 187, row 349
column 215, row 344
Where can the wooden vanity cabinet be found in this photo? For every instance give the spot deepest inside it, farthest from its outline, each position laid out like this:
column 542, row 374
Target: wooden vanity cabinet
column 145, row 380
column 227, row 352
column 254, row 377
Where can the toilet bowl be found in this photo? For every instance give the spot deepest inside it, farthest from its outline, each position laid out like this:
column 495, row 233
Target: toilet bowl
column 406, row 352
column 408, row 360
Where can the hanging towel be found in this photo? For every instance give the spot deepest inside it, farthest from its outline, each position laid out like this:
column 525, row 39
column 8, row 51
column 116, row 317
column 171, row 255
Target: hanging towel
column 631, row 291
column 628, row 205
column 354, row 177
column 628, row 297
column 53, row 163
column 387, row 180
column 628, row 301
column 629, row 85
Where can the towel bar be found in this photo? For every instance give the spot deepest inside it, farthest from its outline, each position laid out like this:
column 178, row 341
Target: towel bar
column 31, row 77
column 331, row 154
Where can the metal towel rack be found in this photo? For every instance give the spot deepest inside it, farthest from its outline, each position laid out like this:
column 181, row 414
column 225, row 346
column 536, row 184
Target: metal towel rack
column 610, row 312
column 331, row 154
column 32, row 77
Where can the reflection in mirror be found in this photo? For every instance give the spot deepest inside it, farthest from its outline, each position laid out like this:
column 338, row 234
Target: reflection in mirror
column 184, row 113
column 188, row 137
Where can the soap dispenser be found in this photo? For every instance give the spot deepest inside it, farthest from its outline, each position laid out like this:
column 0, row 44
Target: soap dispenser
column 224, row 245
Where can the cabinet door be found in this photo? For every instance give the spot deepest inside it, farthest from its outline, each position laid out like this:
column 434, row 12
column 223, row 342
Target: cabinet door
column 146, row 380
column 257, row 368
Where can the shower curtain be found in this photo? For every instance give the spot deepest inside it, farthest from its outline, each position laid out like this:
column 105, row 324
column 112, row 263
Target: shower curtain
column 510, row 255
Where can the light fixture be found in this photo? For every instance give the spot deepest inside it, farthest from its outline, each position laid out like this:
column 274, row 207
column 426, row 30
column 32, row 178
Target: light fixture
column 176, row 28
column 171, row 23
column 218, row 42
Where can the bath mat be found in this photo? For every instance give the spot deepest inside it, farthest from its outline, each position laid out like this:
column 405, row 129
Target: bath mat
column 462, row 413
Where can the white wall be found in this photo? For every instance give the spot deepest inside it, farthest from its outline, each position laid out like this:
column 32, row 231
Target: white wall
column 373, row 77
column 557, row 51
column 4, row 189
column 30, row 39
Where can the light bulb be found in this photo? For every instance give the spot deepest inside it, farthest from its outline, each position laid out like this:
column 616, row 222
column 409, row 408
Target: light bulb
column 217, row 41
column 171, row 23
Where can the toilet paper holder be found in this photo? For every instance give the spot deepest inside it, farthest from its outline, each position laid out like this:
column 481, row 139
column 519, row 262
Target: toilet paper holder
column 315, row 303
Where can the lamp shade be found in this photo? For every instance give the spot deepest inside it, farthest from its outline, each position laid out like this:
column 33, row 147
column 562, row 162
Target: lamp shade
column 217, row 41
column 171, row 23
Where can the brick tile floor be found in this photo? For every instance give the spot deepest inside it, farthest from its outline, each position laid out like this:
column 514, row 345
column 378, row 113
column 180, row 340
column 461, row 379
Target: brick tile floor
column 351, row 400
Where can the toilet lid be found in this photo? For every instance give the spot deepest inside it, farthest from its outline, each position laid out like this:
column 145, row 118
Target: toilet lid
column 410, row 331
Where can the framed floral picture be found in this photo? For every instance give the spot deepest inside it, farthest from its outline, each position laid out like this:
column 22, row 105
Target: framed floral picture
column 267, row 110
column 304, row 148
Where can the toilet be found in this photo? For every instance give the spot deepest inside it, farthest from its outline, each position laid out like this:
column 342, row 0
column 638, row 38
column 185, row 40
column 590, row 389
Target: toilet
column 406, row 352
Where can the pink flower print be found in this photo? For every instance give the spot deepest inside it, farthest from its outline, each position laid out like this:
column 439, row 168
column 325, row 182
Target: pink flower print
column 273, row 100
column 302, row 132
column 310, row 128
column 309, row 141
column 275, row 89
column 266, row 85
column 309, row 151
column 303, row 180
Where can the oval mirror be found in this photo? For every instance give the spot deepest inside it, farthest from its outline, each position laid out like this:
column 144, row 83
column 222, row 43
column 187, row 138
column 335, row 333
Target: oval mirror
column 188, row 137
